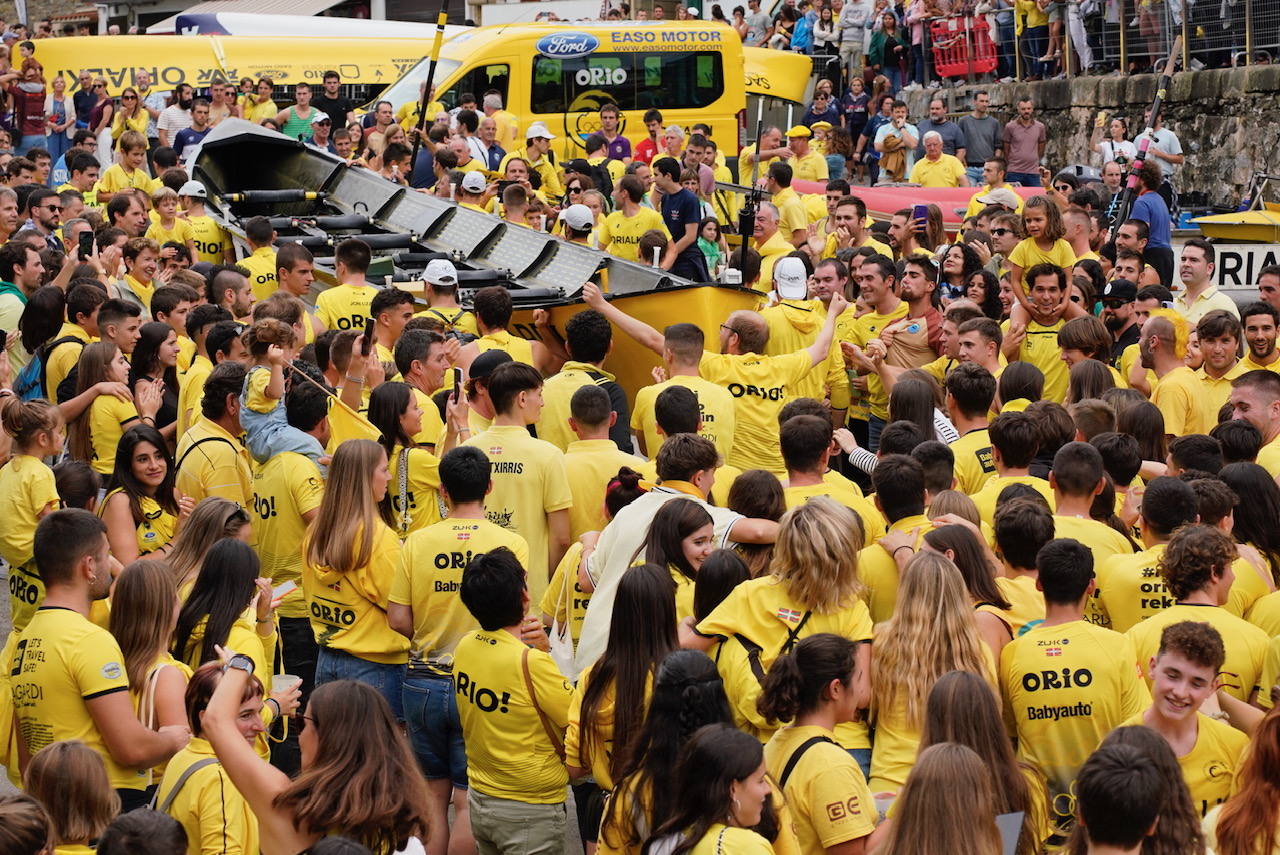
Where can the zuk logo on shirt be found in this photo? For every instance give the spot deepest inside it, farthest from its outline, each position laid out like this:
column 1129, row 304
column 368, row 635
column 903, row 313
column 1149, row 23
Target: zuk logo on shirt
column 485, row 700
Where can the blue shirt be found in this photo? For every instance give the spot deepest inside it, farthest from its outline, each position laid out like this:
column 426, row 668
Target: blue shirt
column 678, row 210
column 187, row 137
column 1151, row 209
column 830, row 115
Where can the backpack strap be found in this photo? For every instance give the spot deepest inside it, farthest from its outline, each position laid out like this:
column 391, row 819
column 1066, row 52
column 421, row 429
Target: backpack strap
column 197, row 444
column 753, row 656
column 553, row 733
column 177, row 786
column 46, row 350
column 794, row 759
column 793, row 634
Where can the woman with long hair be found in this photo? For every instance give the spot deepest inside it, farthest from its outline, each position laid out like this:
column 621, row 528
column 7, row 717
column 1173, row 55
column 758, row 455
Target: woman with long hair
column 1145, row 423
column 96, row 432
column 70, row 781
column 1088, row 378
column 141, row 508
column 974, row 561
column 963, row 710
column 925, row 818
column 349, row 556
column 813, row 688
column 913, row 399
column 211, row 521
column 812, row 587
column 350, row 744
column 886, row 53
column 131, row 116
column 41, row 319
column 1178, row 831
column 1256, row 514
column 100, row 117
column 680, row 538
column 60, row 118
column 155, row 362
column 394, row 411
column 932, row 631
column 1248, row 823
column 757, row 494
column 958, row 264
column 721, row 572
column 143, row 616
column 722, row 789
column 609, row 701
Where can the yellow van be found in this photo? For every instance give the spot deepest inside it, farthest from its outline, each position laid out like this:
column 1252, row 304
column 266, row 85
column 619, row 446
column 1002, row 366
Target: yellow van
column 560, row 74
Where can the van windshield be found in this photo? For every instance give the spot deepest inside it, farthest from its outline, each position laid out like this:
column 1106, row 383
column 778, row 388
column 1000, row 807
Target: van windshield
column 405, row 89
column 666, row 80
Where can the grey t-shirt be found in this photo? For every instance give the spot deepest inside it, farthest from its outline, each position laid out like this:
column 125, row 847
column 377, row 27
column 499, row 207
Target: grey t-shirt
column 1167, row 141
column 757, row 25
column 982, row 136
column 953, row 138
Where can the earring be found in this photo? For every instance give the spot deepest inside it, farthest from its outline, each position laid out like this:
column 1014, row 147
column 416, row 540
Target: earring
column 733, row 814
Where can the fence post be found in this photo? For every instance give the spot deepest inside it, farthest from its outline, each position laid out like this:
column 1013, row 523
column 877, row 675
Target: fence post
column 1186, row 37
column 1248, row 32
column 1124, row 42
column 1066, row 37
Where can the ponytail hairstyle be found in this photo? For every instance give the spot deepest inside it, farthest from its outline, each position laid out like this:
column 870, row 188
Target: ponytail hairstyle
column 26, row 420
column 91, row 369
column 797, row 682
column 623, row 489
column 387, row 405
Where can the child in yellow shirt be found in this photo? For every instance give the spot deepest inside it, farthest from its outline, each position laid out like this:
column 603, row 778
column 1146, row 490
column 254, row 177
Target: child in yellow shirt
column 168, row 226
column 271, row 345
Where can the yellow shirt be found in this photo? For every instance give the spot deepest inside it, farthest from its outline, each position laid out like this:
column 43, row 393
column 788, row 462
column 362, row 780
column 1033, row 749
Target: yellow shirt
column 509, row 754
column 589, row 465
column 946, row 171
column 833, row 245
column 114, row 179
column 770, row 251
column 1218, row 389
column 186, row 353
column 620, row 235
column 433, row 428
column 1026, row 604
column 543, row 166
column 284, row 488
column 828, row 796
column 1184, row 403
column 1066, row 687
column 256, row 390
column 810, row 166
column 157, row 527
column 1245, row 644
column 421, row 504
column 519, row 349
column 255, row 111
column 845, row 492
column 179, row 232
column 211, row 239
column 209, row 808
column 601, row 753
column 557, row 391
column 62, row 661
column 974, row 465
column 529, row 482
column 344, row 307
column 261, row 265
column 986, row 497
column 452, row 318
column 217, row 466
column 428, row 576
column 63, row 358
column 758, row 385
column 1270, row 673
column 108, row 417
column 794, row 325
column 1131, row 586
column 791, row 213
column 1040, row 348
column 1265, row 614
column 349, row 610
column 191, row 391
column 1211, row 766
column 863, row 330
column 1028, row 254
column 1205, row 302
column 27, row 487
column 715, row 405
column 1269, row 457
column 879, row 573
column 564, row 600
column 975, row 206
column 1104, row 542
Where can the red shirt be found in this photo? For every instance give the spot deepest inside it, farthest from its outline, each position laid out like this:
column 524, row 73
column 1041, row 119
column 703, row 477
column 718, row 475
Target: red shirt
column 646, row 150
column 28, row 109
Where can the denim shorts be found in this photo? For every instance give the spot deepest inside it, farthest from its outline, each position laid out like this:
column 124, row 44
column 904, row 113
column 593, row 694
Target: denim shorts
column 435, row 732
column 333, row 664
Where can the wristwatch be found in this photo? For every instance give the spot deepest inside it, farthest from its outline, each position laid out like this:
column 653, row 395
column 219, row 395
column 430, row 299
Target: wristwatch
column 241, row 661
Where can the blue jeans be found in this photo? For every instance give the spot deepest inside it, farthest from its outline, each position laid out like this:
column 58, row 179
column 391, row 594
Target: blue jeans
column 863, row 758
column 435, row 731
column 28, row 142
column 893, row 72
column 1034, row 42
column 1005, row 48
column 917, row 63
column 57, row 144
column 269, row 434
column 875, row 424
column 974, row 174
column 333, row 664
column 1026, row 179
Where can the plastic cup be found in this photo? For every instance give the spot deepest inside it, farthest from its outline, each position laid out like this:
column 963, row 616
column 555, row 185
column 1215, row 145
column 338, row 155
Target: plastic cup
column 284, row 682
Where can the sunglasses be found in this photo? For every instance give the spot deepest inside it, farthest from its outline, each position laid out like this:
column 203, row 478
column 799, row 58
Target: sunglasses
column 128, row 97
column 1001, row 232
column 575, row 189
column 1062, row 188
column 53, row 207
column 1114, row 304
column 99, row 86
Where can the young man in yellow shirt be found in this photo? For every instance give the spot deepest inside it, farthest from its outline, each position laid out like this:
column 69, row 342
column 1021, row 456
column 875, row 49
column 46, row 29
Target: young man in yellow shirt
column 390, row 309
column 442, row 298
column 1183, row 674
column 1255, row 398
column 83, row 304
column 877, row 280
column 423, row 360
column 425, row 607
column 620, row 231
column 682, row 347
column 970, row 391
column 513, row 704
column 806, row 443
column 217, row 338
column 588, row 340
column 346, row 306
column 900, row 494
column 593, row 459
column 1067, row 682
column 1015, row 440
column 261, row 261
column 210, row 460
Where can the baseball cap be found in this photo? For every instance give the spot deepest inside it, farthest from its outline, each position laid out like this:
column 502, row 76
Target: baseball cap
column 578, row 165
column 799, row 131
column 319, row 117
column 440, row 271
column 538, row 130
column 484, row 364
column 578, row 217
column 790, row 279
column 1120, row 289
column 1000, row 196
column 193, row 188
column 473, row 182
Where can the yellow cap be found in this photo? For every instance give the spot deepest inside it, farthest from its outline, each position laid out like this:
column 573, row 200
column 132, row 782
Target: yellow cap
column 799, row 131
column 826, row 126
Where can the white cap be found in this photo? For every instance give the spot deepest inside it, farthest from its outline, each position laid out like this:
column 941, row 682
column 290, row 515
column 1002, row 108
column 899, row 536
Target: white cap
column 790, row 279
column 578, row 217
column 193, row 188
column 320, row 116
column 440, row 271
column 473, row 182
column 538, row 130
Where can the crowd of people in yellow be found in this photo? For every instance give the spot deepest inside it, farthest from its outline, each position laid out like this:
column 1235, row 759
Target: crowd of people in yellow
column 948, row 544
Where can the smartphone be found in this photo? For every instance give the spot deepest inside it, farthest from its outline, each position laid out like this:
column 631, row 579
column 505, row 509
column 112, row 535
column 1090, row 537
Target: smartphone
column 457, row 384
column 366, row 342
column 919, row 215
column 504, row 184
column 86, row 244
column 279, row 592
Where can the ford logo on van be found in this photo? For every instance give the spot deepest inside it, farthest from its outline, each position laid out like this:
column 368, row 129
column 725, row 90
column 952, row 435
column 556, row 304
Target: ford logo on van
column 567, row 45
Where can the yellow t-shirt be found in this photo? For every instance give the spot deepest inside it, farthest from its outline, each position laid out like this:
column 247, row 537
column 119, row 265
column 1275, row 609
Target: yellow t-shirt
column 1103, row 541
column 845, row 492
column 791, row 214
column 620, row 235
column 255, row 112
column 758, row 385
column 422, row 504
column 529, row 482
column 62, row 660
column 108, row 417
column 879, row 573
column 1040, row 348
column 1245, row 644
column 566, row 604
column 1065, row 687
column 1265, row 614
column 828, row 796
column 770, row 251
column 216, row 467
column 1027, row 255
column 864, row 329
column 1270, row 673
column 180, row 232
column 986, row 497
column 589, row 465
column 1026, row 604
column 186, row 352
column 349, row 610
column 191, row 390
column 974, row 465
column 428, row 576
column 794, row 325
column 1269, row 457
column 1184, row 403
column 557, row 391
column 211, row 239
column 1131, row 587
column 1211, row 766
column 715, row 405
column 208, row 807
column 509, row 754
column 27, row 487
column 433, row 428
column 256, row 390
column 832, row 246
column 345, row 307
column 262, row 272
column 284, row 488
column 63, row 358
column 114, row 179
column 975, row 207
column 453, row 319
column 946, row 171
column 157, row 527
column 519, row 349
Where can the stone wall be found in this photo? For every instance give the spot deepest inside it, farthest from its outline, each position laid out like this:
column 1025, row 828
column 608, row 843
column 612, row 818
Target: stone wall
column 1227, row 119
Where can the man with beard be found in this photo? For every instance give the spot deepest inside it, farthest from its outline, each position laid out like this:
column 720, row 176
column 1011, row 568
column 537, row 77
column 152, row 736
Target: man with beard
column 902, row 236
column 1219, row 334
column 1118, row 316
column 1255, row 398
column 177, row 116
column 1259, row 321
